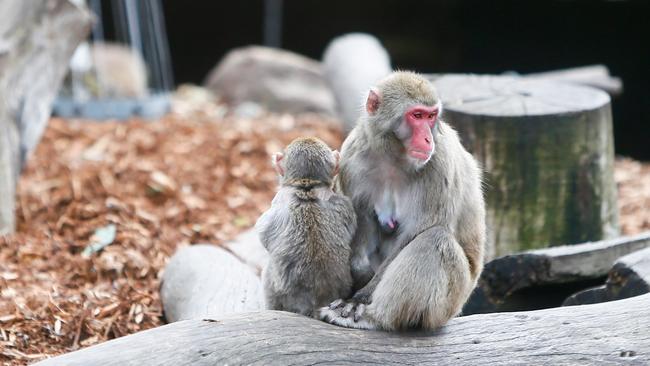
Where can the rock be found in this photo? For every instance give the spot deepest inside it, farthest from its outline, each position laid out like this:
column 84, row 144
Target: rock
column 280, row 81
column 353, row 63
column 205, row 281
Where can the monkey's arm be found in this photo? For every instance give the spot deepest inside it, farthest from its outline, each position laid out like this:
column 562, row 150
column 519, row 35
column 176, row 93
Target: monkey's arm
column 471, row 230
column 270, row 225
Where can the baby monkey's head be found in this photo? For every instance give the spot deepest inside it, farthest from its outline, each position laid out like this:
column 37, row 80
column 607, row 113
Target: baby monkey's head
column 307, row 158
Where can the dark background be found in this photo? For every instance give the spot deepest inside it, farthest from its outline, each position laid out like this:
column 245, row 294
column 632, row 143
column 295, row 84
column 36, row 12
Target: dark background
column 443, row 36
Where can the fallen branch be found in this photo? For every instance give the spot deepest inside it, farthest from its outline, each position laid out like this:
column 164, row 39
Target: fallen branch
column 557, row 265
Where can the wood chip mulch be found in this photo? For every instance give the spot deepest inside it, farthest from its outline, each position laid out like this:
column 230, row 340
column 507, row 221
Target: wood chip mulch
column 162, row 185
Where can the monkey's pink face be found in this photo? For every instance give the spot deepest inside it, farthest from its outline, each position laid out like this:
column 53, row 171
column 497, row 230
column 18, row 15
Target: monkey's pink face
column 420, row 120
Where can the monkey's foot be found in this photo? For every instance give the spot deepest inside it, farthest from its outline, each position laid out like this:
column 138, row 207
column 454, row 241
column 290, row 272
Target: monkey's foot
column 344, row 314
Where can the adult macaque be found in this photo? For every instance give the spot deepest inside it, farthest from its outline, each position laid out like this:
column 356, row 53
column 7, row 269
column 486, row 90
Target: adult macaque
column 418, row 248
column 307, row 231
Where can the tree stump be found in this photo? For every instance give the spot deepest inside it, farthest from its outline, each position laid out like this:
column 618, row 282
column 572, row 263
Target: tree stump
column 548, row 153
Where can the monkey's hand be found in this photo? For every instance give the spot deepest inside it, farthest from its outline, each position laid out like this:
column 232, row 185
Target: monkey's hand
column 349, row 314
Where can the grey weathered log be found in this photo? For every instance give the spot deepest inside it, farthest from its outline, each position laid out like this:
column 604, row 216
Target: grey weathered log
column 596, row 76
column 548, row 152
column 504, row 276
column 613, row 333
column 37, row 38
column 248, row 248
column 207, row 281
column 630, row 276
column 593, row 295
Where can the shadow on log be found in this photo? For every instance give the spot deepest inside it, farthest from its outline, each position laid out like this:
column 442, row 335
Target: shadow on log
column 608, row 333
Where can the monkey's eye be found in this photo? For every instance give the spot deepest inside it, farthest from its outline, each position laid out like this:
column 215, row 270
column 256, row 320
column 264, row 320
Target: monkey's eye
column 417, row 115
column 432, row 115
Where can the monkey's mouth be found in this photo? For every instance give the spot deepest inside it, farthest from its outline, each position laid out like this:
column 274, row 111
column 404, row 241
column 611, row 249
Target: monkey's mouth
column 419, row 154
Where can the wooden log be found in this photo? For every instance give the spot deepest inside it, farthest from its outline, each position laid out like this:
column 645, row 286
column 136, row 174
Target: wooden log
column 596, row 76
column 207, row 281
column 630, row 276
column 503, row 277
column 548, row 152
column 37, row 38
column 248, row 249
column 613, row 333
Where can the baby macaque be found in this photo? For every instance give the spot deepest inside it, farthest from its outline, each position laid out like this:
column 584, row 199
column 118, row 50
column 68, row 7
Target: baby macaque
column 307, row 231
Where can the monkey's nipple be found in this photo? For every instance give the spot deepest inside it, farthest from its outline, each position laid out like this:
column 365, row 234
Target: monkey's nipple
column 388, row 226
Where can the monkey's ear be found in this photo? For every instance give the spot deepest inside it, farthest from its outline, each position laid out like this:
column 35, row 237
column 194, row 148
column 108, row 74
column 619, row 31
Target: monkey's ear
column 373, row 101
column 337, row 157
column 277, row 163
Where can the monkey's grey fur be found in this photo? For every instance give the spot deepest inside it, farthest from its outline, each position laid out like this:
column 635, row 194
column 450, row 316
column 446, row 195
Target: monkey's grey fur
column 422, row 274
column 307, row 232
column 352, row 63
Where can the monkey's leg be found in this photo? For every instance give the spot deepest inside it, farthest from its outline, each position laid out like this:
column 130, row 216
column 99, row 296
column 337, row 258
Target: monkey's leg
column 425, row 285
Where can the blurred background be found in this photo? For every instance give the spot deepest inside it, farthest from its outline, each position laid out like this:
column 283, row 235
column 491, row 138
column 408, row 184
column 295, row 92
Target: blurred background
column 441, row 37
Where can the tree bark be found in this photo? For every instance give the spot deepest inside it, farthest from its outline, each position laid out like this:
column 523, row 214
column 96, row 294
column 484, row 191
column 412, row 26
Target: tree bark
column 548, row 153
column 610, row 333
column 37, row 38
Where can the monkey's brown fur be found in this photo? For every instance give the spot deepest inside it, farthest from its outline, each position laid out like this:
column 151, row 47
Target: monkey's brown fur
column 307, row 232
column 422, row 274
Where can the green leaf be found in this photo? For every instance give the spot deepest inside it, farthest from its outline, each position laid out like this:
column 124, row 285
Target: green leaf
column 102, row 237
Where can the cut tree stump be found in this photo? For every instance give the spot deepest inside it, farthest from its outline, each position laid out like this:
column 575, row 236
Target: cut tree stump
column 37, row 39
column 207, row 281
column 613, row 333
column 548, row 152
column 630, row 276
column 553, row 268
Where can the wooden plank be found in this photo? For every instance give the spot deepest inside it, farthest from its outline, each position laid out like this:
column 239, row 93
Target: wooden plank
column 207, row 281
column 613, row 333
column 558, row 265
